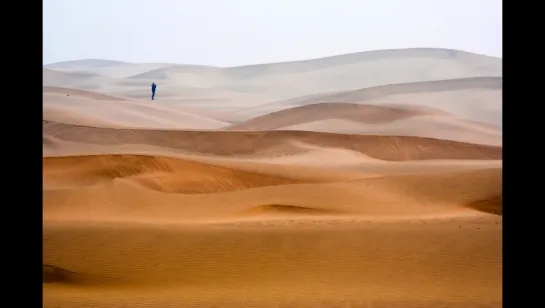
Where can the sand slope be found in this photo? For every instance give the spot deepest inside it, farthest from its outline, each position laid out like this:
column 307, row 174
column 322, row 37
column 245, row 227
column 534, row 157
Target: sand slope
column 297, row 184
column 380, row 120
column 91, row 108
column 273, row 143
column 276, row 81
column 86, row 64
column 448, row 264
column 157, row 238
column 108, row 68
column 158, row 230
column 100, row 176
column 447, row 128
column 320, row 111
column 477, row 99
column 81, row 93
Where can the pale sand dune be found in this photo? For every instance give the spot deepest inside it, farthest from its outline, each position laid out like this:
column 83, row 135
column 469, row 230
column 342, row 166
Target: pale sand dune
column 108, row 68
column 155, row 204
column 320, row 111
column 106, row 111
column 92, row 95
column 264, row 83
column 86, row 64
column 477, row 99
column 82, row 93
column 439, row 127
column 53, row 78
column 377, row 120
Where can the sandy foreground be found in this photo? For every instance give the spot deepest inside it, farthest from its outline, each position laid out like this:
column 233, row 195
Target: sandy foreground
column 318, row 205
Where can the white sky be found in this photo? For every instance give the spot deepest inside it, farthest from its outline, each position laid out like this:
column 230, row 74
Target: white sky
column 238, row 32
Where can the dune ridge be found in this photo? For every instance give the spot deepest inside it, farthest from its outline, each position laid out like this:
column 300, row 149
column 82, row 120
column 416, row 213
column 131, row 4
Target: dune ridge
column 158, row 173
column 475, row 98
column 402, row 88
column 395, row 148
column 297, row 115
column 265, row 83
column 380, row 120
column 100, row 176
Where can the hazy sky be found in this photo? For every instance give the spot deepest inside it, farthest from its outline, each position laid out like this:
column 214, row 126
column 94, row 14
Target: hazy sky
column 236, row 32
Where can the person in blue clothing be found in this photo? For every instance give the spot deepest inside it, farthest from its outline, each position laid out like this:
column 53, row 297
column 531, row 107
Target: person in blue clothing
column 153, row 87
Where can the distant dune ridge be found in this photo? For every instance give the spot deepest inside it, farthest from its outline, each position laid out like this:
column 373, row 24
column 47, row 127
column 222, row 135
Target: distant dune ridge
column 365, row 179
column 476, row 98
column 381, row 120
column 278, row 81
column 359, row 113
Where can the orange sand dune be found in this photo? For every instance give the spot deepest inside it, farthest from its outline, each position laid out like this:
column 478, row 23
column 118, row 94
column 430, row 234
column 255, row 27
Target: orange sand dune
column 271, row 143
column 127, row 185
column 126, row 231
column 157, row 173
column 449, row 263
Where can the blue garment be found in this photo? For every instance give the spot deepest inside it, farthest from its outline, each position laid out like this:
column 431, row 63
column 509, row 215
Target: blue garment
column 153, row 87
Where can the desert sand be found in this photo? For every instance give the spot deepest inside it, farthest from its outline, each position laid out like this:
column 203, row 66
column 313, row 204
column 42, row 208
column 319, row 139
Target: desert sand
column 362, row 180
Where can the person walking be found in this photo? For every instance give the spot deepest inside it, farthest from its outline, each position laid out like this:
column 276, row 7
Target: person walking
column 153, row 87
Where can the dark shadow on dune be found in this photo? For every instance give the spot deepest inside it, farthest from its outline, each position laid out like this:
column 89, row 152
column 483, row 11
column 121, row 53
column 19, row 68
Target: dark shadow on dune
column 54, row 274
column 272, row 209
column 493, row 205
column 164, row 174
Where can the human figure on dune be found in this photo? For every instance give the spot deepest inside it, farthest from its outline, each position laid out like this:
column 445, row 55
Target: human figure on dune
column 153, row 87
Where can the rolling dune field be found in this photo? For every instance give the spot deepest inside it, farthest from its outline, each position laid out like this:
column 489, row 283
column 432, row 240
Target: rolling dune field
column 274, row 185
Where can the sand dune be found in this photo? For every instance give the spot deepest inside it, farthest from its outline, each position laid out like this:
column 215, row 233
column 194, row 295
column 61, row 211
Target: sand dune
column 86, row 64
column 129, row 188
column 451, row 263
column 447, row 128
column 108, row 68
column 157, row 173
column 276, row 81
column 53, row 78
column 76, row 92
column 274, row 143
column 82, row 107
column 477, row 99
column 377, row 120
column 320, row 111
column 368, row 179
column 401, row 88
column 159, row 246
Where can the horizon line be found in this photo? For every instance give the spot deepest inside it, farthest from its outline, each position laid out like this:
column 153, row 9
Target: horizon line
column 277, row 62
